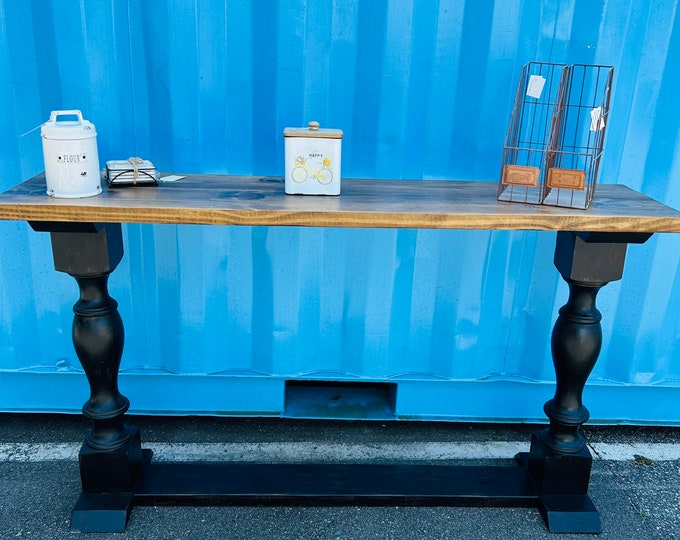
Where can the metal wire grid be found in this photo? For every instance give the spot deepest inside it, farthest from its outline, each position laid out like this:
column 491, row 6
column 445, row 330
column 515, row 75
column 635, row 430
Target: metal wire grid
column 578, row 140
column 526, row 151
column 556, row 134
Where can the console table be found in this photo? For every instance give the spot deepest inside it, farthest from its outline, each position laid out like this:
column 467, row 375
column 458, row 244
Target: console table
column 116, row 473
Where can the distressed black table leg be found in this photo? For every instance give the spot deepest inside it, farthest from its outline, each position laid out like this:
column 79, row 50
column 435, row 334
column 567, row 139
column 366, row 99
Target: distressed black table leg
column 111, row 456
column 559, row 460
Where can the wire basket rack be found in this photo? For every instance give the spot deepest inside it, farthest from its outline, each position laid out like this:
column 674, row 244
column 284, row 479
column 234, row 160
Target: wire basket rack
column 577, row 140
column 555, row 137
column 526, row 156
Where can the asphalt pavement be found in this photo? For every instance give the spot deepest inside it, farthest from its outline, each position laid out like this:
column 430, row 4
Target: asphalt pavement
column 635, row 482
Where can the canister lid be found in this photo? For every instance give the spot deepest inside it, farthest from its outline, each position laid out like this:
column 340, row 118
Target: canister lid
column 62, row 125
column 313, row 131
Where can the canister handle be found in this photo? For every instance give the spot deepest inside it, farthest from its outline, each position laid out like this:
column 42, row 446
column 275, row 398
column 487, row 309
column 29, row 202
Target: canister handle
column 71, row 112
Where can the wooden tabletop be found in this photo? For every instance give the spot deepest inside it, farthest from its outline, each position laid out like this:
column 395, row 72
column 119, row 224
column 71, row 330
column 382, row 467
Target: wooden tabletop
column 247, row 200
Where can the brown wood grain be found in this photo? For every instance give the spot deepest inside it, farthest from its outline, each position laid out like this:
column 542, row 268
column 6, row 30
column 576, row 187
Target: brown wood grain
column 246, row 200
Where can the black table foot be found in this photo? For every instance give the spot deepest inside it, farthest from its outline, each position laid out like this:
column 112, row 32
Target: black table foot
column 109, row 479
column 563, row 512
column 101, row 512
column 570, row 514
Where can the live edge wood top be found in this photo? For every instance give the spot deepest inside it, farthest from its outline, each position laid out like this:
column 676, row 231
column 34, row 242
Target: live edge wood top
column 247, row 200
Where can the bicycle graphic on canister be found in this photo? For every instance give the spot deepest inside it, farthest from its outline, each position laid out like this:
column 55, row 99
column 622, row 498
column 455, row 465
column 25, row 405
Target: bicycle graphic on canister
column 301, row 172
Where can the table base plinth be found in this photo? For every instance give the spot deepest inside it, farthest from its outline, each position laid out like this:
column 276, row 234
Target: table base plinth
column 255, row 484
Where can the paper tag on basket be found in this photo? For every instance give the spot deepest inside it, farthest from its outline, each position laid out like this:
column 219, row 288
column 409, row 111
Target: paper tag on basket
column 535, row 86
column 596, row 119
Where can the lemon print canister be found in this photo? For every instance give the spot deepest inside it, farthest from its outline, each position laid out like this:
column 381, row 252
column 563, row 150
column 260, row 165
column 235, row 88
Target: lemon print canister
column 312, row 163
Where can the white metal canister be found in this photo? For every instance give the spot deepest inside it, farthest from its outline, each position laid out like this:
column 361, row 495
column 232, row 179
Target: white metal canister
column 313, row 158
column 70, row 154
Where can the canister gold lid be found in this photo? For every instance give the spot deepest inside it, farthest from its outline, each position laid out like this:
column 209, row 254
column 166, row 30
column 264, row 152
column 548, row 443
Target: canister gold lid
column 313, row 130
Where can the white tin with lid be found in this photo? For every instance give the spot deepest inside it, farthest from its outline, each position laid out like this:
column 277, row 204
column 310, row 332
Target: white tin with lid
column 70, row 152
column 313, row 158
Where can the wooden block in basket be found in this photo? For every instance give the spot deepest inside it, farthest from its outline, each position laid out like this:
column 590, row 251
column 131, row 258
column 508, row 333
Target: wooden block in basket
column 566, row 179
column 520, row 175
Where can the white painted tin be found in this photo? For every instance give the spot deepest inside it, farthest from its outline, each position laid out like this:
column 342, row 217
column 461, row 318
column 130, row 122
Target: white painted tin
column 70, row 154
column 313, row 159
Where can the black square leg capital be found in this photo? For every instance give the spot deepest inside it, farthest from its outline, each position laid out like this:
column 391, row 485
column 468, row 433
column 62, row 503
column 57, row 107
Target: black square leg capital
column 588, row 262
column 88, row 253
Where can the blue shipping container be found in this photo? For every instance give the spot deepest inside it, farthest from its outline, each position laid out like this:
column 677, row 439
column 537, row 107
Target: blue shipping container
column 229, row 320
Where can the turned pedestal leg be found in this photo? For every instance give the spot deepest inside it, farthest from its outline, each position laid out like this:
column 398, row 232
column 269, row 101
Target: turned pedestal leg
column 559, row 460
column 111, row 456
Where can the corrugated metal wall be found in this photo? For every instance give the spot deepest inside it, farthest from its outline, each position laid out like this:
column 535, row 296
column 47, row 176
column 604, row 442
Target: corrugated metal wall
column 217, row 319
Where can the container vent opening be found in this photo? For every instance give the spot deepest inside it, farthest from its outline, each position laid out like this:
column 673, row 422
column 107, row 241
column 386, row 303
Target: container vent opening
column 344, row 400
